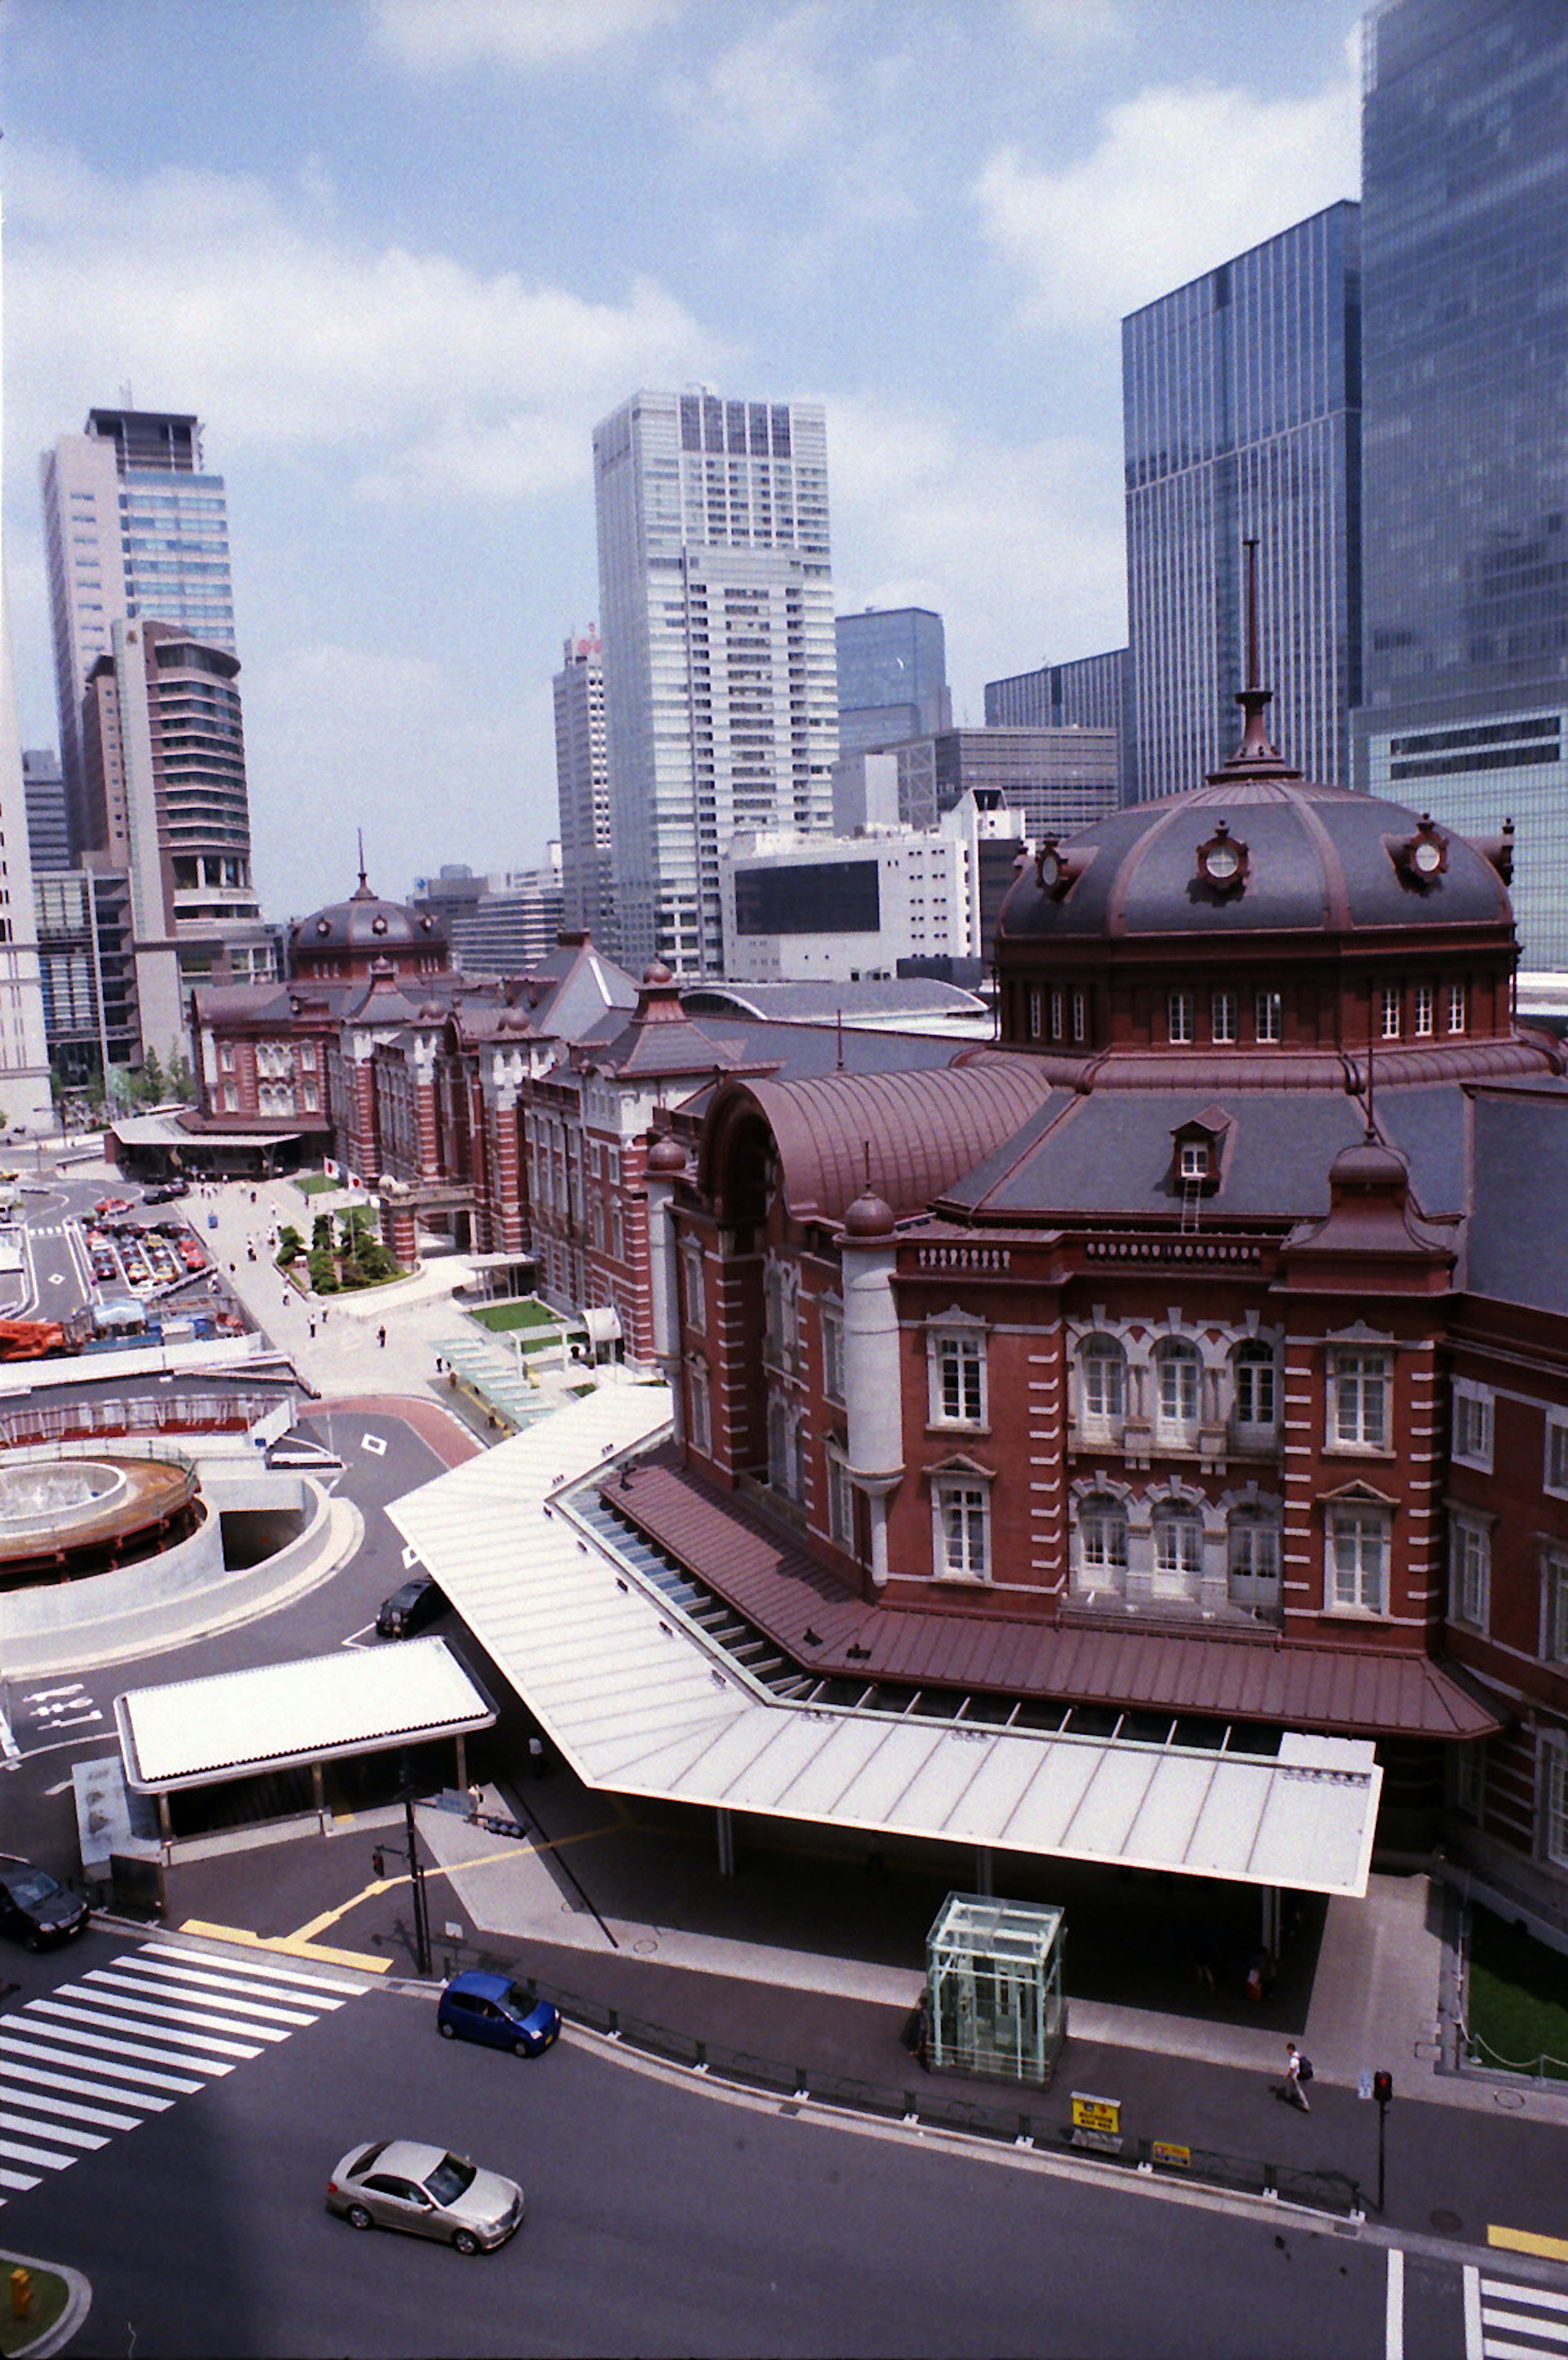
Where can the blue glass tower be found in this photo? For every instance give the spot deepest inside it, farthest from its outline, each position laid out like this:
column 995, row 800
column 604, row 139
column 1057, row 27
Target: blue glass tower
column 1241, row 400
column 1466, row 264
column 892, row 677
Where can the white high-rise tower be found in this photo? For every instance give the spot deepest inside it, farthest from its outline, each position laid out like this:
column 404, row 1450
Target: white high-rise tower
column 720, row 678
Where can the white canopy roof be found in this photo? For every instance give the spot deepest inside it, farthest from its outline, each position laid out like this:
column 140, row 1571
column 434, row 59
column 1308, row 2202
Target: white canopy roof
column 356, row 1700
column 640, row 1701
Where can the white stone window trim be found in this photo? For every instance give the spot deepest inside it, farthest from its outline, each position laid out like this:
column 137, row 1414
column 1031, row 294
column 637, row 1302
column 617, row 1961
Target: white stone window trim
column 1093, row 1489
column 955, row 1479
column 1470, row 1566
column 1553, row 1646
column 1472, row 1417
column 830, row 1317
column 962, row 1337
column 1554, row 1455
column 1552, row 1797
column 1376, row 1514
column 1365, row 1345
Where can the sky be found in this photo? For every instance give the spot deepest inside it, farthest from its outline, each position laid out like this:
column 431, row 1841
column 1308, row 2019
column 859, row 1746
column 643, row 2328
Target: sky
column 401, row 256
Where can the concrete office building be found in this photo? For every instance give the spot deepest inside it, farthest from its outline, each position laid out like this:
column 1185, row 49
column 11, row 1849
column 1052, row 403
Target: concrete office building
column 133, row 526
column 1088, row 694
column 892, row 677
column 582, row 787
column 716, row 610
column 43, row 786
column 1241, row 400
column 1465, row 226
column 849, row 909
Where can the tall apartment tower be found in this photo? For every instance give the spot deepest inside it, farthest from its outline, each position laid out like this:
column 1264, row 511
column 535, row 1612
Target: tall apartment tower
column 26, row 1100
column 720, row 689
column 1242, row 413
column 892, row 677
column 1463, row 231
column 133, row 526
column 582, row 787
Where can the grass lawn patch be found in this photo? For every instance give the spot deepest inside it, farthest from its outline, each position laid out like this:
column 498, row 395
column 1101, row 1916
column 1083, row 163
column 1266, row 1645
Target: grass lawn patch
column 500, row 1319
column 1519, row 1998
column 48, row 2302
column 313, row 1184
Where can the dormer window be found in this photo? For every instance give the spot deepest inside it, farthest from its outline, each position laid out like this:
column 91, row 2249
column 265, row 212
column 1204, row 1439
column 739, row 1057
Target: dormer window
column 1193, row 1162
column 1222, row 861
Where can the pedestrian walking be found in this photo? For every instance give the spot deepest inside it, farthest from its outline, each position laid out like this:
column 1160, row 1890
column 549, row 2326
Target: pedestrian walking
column 382, row 1337
column 1297, row 2070
column 475, row 1803
column 313, row 1331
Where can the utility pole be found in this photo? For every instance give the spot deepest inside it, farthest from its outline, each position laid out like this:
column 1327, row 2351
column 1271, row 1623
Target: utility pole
column 416, row 1876
column 1383, row 2092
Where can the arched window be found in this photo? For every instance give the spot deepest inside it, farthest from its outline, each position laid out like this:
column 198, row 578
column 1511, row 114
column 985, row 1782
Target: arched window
column 1178, row 1370
column 1102, row 1381
column 1256, row 1390
column 1177, row 1549
column 1252, row 1538
column 1102, row 1541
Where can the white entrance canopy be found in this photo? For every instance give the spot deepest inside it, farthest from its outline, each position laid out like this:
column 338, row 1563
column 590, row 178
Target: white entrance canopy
column 281, row 1716
column 640, row 1700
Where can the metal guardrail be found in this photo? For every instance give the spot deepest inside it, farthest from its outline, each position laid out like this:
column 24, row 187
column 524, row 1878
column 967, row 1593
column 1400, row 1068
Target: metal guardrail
column 934, row 2108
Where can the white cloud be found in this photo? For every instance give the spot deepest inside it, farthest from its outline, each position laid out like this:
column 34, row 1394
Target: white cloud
column 443, row 35
column 770, row 93
column 231, row 301
column 1019, row 547
column 1181, row 178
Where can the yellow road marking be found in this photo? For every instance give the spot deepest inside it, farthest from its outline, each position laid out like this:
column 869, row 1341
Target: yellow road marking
column 1526, row 2241
column 294, row 1944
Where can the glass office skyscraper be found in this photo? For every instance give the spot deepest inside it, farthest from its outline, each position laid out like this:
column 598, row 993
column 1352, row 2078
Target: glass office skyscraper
column 893, row 676
column 1465, row 261
column 1241, row 397
column 716, row 614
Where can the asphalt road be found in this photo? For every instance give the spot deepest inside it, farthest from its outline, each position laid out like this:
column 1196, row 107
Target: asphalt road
column 663, row 2218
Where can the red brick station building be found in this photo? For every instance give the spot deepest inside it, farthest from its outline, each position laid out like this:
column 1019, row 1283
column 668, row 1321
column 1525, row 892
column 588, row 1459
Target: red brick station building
column 1188, row 1365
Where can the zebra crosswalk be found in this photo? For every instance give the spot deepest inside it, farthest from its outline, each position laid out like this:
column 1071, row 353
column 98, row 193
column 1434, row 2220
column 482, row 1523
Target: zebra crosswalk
column 1505, row 2321
column 96, row 2056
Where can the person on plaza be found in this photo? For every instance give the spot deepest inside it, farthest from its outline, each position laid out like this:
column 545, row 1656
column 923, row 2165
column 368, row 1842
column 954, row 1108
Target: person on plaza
column 1294, row 2077
column 382, row 1337
column 475, row 1803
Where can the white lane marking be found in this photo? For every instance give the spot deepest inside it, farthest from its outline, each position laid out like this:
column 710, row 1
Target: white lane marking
column 76, row 1721
column 190, row 1983
column 19, row 2180
column 52, row 2159
column 63, row 1787
column 374, row 1444
column 98, row 2056
column 262, row 1969
column 205, row 2043
column 1540, row 2298
column 42, row 1695
column 19, row 2069
column 28, row 2128
column 180, row 2006
column 1497, row 2349
column 1547, row 2329
column 1394, row 2306
column 1475, row 2335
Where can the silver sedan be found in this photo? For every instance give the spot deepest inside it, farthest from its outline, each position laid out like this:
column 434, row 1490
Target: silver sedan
column 400, row 2184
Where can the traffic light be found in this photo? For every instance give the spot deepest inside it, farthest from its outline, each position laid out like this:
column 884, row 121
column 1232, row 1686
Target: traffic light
column 1383, row 2087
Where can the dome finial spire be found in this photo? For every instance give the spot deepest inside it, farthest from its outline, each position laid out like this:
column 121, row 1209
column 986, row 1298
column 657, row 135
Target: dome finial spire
column 1256, row 757
column 362, row 891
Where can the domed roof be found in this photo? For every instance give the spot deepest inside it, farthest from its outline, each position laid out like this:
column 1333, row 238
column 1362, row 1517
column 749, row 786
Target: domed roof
column 1246, row 854
column 365, row 923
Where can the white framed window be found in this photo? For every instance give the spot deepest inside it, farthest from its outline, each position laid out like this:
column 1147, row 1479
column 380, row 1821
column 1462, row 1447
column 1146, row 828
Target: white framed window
column 1472, row 1436
column 1102, row 1381
column 956, row 1365
column 1358, row 1558
column 1458, row 1006
column 1036, row 1012
column 1224, row 1016
column 1553, row 1809
column 841, row 1504
column 1555, row 1604
column 1555, row 1471
column 1058, row 1020
column 225, row 1057
column 1391, row 1004
column 1252, row 1553
column 1178, row 1016
column 1469, row 1570
column 1268, row 1016
column 231, row 1098
column 1256, row 1377
column 1193, row 1160
column 1359, row 1388
column 694, row 1293
column 1102, row 1541
column 307, row 1056
column 832, row 1353
column 1426, row 1009
column 781, row 1449
column 1178, row 1371
column 1178, row 1551
column 699, row 1418
column 960, row 1528
column 1079, row 1016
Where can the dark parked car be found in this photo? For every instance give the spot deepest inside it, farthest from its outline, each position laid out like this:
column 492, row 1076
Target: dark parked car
column 410, row 1610
column 502, row 2013
column 167, row 1193
column 35, row 1907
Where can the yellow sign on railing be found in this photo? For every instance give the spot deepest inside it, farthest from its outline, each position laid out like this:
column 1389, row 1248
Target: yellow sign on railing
column 1103, row 2115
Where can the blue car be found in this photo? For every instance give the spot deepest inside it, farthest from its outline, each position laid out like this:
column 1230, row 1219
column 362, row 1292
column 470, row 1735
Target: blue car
column 489, row 2009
